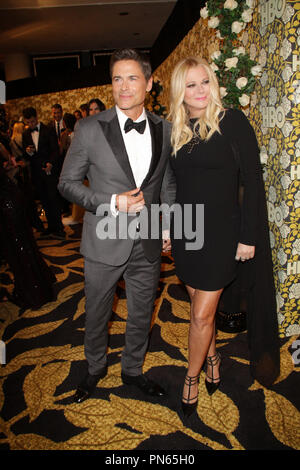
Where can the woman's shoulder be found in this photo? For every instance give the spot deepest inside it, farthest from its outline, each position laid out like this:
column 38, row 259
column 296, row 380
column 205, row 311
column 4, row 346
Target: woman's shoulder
column 234, row 119
column 236, row 125
column 234, row 113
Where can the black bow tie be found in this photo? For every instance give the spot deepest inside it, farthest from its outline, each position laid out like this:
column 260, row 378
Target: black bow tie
column 35, row 129
column 138, row 126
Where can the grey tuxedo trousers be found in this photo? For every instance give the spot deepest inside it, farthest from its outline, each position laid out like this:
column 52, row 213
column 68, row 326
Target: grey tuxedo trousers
column 141, row 280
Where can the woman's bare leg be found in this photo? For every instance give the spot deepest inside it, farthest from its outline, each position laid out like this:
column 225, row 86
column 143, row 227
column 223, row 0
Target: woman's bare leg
column 201, row 340
column 212, row 346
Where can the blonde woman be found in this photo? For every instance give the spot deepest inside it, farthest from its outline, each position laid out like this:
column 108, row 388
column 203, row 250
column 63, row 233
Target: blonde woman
column 16, row 144
column 207, row 169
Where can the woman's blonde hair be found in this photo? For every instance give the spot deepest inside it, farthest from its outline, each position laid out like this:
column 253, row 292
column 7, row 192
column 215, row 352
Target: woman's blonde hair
column 17, row 131
column 179, row 114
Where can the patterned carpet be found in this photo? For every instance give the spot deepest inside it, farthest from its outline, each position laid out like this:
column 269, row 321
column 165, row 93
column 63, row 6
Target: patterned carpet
column 45, row 361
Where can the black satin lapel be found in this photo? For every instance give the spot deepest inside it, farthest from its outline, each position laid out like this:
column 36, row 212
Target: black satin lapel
column 113, row 135
column 156, row 130
column 30, row 139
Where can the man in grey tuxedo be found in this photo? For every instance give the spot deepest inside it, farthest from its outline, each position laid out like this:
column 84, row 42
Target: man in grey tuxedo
column 124, row 152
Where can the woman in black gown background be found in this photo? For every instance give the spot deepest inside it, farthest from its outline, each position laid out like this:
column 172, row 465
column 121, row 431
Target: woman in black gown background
column 213, row 150
column 33, row 279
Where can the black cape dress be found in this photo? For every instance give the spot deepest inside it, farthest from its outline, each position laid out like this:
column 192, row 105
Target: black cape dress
column 211, row 174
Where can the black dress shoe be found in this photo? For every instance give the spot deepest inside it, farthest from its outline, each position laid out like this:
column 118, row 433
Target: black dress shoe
column 88, row 385
column 143, row 383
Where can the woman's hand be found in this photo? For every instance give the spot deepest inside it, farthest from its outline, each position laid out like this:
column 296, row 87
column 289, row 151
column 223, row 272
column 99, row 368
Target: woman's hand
column 244, row 252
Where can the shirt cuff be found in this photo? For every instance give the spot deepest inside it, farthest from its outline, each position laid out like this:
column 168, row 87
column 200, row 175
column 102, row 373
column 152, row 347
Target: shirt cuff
column 166, row 234
column 113, row 209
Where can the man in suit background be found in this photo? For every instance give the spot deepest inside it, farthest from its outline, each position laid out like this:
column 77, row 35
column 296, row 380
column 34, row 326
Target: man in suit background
column 41, row 149
column 124, row 153
column 57, row 123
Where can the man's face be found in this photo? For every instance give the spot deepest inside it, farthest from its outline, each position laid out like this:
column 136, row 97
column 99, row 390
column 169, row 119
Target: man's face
column 31, row 122
column 129, row 87
column 57, row 114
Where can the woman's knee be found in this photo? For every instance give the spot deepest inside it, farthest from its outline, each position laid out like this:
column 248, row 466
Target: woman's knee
column 202, row 317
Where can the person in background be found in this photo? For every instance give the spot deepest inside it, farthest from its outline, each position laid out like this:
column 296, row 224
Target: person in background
column 15, row 144
column 84, row 109
column 40, row 147
column 33, row 279
column 77, row 114
column 96, row 106
column 68, row 133
column 57, row 123
column 4, row 128
column 66, row 138
column 22, row 176
column 16, row 150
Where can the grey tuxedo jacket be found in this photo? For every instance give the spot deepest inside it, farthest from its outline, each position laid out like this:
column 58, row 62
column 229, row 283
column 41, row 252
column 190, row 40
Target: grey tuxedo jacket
column 98, row 152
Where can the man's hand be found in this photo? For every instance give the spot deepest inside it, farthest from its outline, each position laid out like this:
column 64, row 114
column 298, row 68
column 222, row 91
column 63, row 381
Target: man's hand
column 12, row 161
column 166, row 245
column 166, row 241
column 130, row 201
column 48, row 168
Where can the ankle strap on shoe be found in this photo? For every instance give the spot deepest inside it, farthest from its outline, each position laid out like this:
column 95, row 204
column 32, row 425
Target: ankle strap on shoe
column 191, row 380
column 213, row 360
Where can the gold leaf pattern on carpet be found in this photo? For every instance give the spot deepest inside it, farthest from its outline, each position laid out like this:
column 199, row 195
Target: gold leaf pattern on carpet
column 283, row 418
column 46, row 361
column 37, row 330
column 40, row 385
column 219, row 412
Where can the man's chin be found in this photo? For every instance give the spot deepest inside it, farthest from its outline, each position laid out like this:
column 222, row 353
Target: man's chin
column 124, row 105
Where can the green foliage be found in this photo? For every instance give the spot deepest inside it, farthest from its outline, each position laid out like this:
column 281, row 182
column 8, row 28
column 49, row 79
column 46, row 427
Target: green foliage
column 155, row 106
column 235, row 70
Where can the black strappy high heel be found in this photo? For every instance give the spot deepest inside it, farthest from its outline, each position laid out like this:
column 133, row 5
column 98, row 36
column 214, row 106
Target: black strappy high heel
column 214, row 383
column 187, row 407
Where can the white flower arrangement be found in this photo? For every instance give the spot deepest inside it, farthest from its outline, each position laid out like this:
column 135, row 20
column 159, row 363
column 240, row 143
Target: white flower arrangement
column 241, row 82
column 236, row 71
column 230, row 4
column 231, row 63
column 213, row 22
column 237, row 27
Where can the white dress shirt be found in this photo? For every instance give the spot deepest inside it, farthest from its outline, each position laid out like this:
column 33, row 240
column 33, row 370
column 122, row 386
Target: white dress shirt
column 35, row 137
column 139, row 150
column 61, row 126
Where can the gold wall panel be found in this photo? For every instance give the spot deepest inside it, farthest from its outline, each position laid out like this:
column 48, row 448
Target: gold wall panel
column 69, row 99
column 273, row 40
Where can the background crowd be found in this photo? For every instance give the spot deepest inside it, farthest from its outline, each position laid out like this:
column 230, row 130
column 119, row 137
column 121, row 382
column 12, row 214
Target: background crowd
column 31, row 157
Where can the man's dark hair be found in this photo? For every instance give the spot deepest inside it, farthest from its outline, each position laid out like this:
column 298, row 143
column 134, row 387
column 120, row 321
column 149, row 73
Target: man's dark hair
column 57, row 106
column 98, row 102
column 29, row 113
column 84, row 107
column 132, row 54
column 69, row 120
